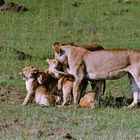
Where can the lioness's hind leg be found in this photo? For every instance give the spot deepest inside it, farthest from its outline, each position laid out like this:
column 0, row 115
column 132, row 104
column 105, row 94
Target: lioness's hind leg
column 135, row 76
column 133, row 84
column 136, row 91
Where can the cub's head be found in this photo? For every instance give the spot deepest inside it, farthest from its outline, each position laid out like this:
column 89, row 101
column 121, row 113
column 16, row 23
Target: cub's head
column 53, row 66
column 88, row 100
column 42, row 77
column 29, row 72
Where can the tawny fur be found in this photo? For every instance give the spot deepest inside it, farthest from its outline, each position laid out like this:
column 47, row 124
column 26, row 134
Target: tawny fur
column 34, row 89
column 43, row 97
column 100, row 65
column 63, row 86
column 65, row 82
column 88, row 100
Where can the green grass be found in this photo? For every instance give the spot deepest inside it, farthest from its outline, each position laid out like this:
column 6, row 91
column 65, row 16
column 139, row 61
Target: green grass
column 107, row 22
column 53, row 123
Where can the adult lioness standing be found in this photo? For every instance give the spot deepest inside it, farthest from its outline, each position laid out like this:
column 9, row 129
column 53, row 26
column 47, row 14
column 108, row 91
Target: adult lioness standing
column 98, row 65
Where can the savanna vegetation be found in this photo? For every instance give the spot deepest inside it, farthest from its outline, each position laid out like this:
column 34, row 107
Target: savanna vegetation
column 26, row 39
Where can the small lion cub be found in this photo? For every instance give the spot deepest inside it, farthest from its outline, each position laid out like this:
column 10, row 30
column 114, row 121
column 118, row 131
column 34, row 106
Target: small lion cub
column 39, row 92
column 88, row 100
column 43, row 97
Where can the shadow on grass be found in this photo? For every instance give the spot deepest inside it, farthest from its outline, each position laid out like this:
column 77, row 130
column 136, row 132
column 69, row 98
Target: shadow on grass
column 115, row 101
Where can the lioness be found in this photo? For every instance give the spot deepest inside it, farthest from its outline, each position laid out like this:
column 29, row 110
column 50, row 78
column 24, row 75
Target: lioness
column 99, row 65
column 41, row 93
column 98, row 86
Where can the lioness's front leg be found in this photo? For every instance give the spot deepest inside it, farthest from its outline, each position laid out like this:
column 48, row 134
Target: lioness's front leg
column 76, row 91
column 79, row 77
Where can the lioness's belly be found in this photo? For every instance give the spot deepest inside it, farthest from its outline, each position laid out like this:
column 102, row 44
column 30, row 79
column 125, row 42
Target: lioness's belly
column 109, row 75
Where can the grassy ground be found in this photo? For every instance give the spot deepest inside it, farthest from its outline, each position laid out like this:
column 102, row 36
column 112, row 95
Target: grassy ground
column 107, row 22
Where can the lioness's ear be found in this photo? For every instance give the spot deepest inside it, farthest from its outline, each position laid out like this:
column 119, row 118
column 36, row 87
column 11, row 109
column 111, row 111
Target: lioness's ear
column 56, row 47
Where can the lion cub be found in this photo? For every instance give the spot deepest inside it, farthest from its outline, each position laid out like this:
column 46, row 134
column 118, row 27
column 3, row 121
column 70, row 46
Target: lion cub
column 88, row 100
column 63, row 85
column 65, row 82
column 43, row 97
column 40, row 93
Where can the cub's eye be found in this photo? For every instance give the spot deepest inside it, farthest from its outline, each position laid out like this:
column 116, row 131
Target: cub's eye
column 62, row 52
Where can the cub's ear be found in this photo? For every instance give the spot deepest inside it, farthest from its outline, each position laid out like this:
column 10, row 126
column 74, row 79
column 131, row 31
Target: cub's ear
column 35, row 71
column 56, row 47
column 48, row 61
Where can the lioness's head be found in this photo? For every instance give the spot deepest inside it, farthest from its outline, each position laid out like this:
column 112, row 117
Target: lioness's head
column 29, row 72
column 60, row 54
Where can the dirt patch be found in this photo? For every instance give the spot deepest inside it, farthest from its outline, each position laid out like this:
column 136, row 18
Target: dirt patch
column 23, row 56
column 75, row 4
column 5, row 126
column 65, row 134
column 2, row 98
column 62, row 23
column 20, row 55
column 35, row 130
column 13, row 7
column 4, row 94
column 124, row 1
column 1, row 48
column 8, row 93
